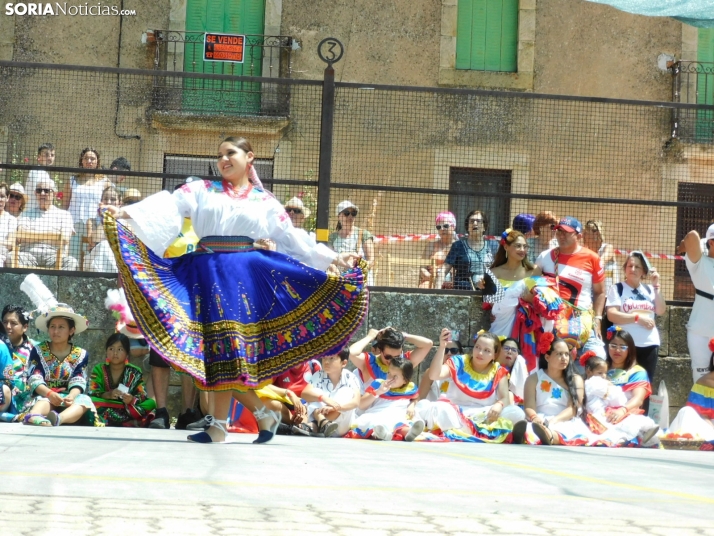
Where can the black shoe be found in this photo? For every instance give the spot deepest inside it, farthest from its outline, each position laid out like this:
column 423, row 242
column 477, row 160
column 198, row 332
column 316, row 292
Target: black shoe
column 162, row 419
column 201, row 424
column 284, row 429
column 519, row 432
column 186, row 418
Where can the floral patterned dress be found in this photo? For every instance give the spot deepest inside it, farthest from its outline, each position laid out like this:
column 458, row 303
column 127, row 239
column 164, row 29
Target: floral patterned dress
column 140, row 412
column 61, row 376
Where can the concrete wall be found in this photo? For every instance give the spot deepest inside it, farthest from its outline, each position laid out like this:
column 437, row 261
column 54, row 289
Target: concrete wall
column 422, row 314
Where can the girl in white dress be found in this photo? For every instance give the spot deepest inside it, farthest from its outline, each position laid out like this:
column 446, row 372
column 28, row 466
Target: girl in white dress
column 553, row 402
column 389, row 405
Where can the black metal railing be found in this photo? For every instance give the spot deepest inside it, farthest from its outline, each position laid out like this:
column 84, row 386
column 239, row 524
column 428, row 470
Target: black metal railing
column 265, row 56
column 693, row 83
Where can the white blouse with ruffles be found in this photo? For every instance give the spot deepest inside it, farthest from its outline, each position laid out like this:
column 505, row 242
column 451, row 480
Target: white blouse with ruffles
column 216, row 210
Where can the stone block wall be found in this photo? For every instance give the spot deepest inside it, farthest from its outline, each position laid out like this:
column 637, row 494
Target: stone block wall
column 413, row 312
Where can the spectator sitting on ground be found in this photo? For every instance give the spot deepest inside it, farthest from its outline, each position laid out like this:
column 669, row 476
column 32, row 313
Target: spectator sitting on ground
column 593, row 239
column 477, row 400
column 8, row 226
column 120, row 164
column 553, row 401
column 523, row 223
column 544, row 231
column 43, row 220
column 83, row 193
column 334, row 396
column 626, row 422
column 297, row 211
column 14, row 322
column 580, row 281
column 515, row 364
column 16, row 199
column 389, row 406
column 387, row 344
column 45, row 157
column 284, row 396
column 438, row 249
column 431, row 390
column 468, row 257
column 117, row 387
column 58, row 372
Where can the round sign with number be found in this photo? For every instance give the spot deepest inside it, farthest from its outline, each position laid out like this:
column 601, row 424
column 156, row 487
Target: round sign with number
column 330, row 50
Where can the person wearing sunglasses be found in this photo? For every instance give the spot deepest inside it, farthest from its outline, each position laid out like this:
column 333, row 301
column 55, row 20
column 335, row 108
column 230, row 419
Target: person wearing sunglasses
column 437, row 250
column 510, row 357
column 468, row 257
column 349, row 238
column 16, row 199
column 625, row 423
column 297, row 211
column 431, row 390
column 8, row 226
column 47, row 220
column 386, row 344
column 544, row 232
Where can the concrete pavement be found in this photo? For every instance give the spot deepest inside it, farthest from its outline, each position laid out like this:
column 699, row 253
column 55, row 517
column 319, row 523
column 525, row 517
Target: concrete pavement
column 107, row 481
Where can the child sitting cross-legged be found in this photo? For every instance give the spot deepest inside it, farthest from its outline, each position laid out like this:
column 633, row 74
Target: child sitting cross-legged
column 117, row 387
column 389, row 406
column 334, row 396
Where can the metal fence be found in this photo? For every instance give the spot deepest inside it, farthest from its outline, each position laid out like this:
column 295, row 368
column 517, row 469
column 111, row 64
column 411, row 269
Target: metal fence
column 400, row 155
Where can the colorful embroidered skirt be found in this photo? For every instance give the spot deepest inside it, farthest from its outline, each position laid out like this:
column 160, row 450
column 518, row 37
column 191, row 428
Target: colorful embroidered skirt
column 234, row 317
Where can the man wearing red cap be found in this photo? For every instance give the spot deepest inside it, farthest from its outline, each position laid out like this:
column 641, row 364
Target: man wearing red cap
column 580, row 281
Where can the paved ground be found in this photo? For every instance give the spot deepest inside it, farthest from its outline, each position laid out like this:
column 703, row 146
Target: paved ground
column 78, row 481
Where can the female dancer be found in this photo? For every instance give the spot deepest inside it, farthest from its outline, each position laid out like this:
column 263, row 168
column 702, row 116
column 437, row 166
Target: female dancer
column 230, row 315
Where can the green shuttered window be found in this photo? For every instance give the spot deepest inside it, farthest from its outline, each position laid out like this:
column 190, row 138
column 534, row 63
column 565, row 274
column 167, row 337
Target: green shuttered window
column 705, row 85
column 487, row 35
column 243, row 17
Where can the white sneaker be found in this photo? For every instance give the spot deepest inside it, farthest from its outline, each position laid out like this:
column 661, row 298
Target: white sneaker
column 380, row 432
column 414, row 431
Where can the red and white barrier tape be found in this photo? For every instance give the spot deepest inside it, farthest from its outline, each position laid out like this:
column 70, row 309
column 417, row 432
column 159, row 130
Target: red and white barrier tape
column 424, row 237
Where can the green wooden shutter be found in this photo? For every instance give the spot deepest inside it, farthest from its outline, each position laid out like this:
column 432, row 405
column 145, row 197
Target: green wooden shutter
column 231, row 17
column 509, row 36
column 705, row 85
column 464, row 11
column 487, row 35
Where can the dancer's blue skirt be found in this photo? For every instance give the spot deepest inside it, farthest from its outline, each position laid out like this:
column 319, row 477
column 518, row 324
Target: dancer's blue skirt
column 233, row 316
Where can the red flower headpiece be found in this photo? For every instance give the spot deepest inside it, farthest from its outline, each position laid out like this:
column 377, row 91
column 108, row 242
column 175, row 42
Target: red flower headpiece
column 544, row 342
column 711, row 344
column 586, row 356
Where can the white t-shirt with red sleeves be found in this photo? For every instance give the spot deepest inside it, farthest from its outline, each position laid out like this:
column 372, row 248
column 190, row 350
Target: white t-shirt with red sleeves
column 641, row 301
column 576, row 274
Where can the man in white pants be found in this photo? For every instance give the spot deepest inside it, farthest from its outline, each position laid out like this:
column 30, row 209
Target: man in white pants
column 700, row 329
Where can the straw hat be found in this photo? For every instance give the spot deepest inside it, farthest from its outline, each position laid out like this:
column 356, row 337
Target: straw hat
column 17, row 187
column 296, row 202
column 132, row 193
column 65, row 311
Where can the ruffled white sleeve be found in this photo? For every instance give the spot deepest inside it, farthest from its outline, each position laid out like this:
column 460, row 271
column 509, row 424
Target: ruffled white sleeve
column 296, row 242
column 157, row 220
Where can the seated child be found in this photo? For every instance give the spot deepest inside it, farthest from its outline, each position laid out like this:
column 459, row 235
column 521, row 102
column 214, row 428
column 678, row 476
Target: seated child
column 117, row 387
column 601, row 397
column 335, row 395
column 389, row 406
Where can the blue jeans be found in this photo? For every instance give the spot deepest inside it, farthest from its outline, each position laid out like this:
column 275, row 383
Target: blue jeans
column 593, row 344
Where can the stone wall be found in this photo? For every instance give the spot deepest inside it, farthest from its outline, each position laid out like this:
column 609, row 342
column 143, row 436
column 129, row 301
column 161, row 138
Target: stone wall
column 418, row 313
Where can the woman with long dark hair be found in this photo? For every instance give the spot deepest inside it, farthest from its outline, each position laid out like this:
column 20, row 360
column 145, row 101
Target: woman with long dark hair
column 553, row 402
column 13, row 330
column 229, row 314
